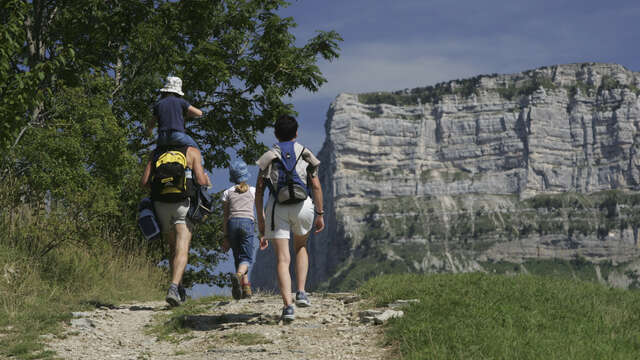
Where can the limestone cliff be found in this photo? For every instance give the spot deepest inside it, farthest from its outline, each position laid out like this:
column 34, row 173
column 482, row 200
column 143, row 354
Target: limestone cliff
column 471, row 174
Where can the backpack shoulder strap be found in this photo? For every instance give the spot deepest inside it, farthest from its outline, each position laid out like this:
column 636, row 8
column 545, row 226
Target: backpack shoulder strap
column 299, row 156
column 288, row 155
column 301, row 152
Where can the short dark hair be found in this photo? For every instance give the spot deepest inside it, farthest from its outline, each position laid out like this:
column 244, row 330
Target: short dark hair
column 286, row 128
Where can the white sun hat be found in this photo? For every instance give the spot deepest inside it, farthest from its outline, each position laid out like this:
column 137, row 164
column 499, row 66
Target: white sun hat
column 173, row 85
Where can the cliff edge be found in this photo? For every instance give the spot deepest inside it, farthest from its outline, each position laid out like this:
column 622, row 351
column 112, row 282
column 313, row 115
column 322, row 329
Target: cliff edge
column 468, row 174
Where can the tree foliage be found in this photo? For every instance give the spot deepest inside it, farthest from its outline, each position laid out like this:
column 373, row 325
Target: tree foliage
column 78, row 79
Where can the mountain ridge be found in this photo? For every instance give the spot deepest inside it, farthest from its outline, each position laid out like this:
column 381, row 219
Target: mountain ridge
column 453, row 177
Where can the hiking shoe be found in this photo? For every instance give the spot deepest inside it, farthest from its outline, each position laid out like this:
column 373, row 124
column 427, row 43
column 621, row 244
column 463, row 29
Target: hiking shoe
column 236, row 291
column 302, row 300
column 287, row 314
column 183, row 293
column 246, row 291
column 173, row 298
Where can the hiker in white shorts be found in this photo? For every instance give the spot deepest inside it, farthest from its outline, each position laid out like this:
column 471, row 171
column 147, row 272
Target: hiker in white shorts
column 290, row 171
column 296, row 218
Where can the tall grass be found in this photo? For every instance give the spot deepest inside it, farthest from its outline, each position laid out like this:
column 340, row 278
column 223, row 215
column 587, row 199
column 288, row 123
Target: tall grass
column 480, row 316
column 37, row 297
column 50, row 265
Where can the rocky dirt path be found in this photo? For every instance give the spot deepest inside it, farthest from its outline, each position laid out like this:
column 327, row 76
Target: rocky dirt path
column 332, row 328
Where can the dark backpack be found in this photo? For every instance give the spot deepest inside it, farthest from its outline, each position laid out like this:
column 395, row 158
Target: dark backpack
column 147, row 220
column 201, row 205
column 283, row 180
column 168, row 182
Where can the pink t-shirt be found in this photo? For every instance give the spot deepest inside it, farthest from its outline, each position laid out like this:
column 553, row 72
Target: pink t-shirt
column 240, row 204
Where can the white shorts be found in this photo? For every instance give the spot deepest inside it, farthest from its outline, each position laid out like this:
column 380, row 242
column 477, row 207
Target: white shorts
column 170, row 214
column 296, row 218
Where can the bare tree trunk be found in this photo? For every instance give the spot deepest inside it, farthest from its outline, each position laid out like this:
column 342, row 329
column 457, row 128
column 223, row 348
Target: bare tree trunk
column 36, row 26
column 118, row 71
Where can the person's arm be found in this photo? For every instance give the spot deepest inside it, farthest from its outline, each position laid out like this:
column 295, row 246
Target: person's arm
column 151, row 123
column 316, row 190
column 260, row 185
column 196, row 165
column 225, row 243
column 193, row 111
column 146, row 175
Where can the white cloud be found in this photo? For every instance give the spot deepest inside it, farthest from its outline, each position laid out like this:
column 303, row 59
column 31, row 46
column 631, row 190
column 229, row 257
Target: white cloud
column 411, row 43
column 387, row 67
column 376, row 68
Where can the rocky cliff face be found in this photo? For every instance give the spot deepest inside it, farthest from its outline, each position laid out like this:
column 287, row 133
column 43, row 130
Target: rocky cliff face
column 477, row 173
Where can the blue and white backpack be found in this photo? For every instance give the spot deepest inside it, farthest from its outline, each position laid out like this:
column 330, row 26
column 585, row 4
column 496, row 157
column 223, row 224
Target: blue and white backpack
column 283, row 181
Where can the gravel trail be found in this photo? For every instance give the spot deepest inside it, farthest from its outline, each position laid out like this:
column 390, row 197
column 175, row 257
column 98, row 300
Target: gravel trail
column 246, row 329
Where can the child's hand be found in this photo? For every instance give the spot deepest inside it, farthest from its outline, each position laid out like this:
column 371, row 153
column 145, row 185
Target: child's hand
column 264, row 243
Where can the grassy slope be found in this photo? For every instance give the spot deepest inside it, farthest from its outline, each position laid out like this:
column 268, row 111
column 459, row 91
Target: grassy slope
column 480, row 316
column 38, row 294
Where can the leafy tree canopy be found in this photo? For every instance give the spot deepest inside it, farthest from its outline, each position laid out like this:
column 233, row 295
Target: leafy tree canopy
column 78, row 79
column 237, row 60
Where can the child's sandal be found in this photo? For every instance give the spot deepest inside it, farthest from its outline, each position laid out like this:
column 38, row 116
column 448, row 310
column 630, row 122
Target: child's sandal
column 246, row 290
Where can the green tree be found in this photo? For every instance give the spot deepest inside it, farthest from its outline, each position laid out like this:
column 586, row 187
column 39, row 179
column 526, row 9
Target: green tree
column 78, row 78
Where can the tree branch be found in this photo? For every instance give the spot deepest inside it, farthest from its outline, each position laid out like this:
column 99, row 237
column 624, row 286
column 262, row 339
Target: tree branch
column 27, row 24
column 34, row 120
column 118, row 73
column 20, row 135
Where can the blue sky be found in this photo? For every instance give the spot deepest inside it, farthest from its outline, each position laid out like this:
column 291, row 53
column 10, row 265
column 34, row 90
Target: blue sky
column 393, row 45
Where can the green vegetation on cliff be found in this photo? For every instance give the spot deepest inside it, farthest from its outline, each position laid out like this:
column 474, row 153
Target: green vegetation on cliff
column 463, row 88
column 512, row 89
column 526, row 87
column 480, row 316
column 568, row 214
column 411, row 234
column 424, row 95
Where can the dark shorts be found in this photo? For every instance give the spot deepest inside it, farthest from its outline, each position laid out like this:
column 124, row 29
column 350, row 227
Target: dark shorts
column 242, row 237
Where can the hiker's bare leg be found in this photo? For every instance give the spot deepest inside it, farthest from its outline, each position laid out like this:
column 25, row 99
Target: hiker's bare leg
column 242, row 269
column 181, row 257
column 302, row 260
column 282, row 268
column 170, row 237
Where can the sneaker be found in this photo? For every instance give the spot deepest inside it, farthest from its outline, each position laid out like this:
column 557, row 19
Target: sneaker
column 183, row 293
column 302, row 300
column 246, row 291
column 287, row 314
column 236, row 291
column 173, row 298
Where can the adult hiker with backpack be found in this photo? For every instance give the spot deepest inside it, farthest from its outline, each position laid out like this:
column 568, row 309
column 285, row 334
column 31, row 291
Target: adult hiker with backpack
column 290, row 171
column 170, row 173
column 169, row 113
